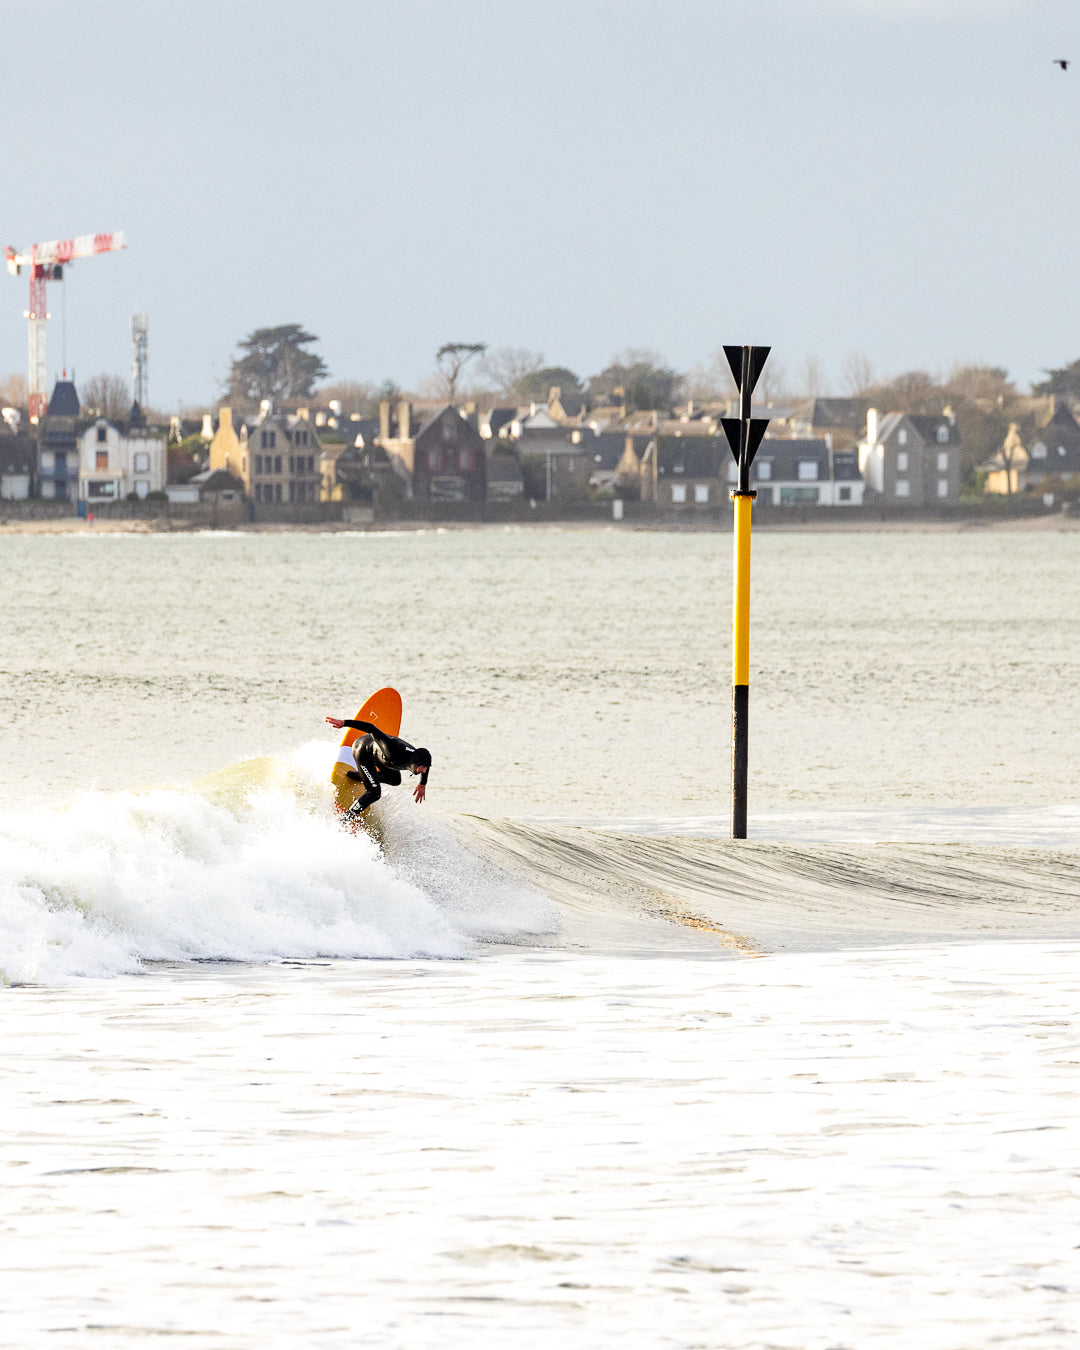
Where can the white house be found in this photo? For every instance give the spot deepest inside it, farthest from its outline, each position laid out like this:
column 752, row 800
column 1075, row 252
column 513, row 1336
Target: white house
column 114, row 462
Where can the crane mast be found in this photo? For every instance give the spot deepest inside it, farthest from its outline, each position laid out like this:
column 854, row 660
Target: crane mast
column 45, row 263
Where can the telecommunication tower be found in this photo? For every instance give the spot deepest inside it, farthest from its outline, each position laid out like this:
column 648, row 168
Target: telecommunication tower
column 140, row 358
column 46, row 263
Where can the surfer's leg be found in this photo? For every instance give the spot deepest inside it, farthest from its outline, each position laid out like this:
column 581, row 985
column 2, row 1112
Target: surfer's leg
column 365, row 768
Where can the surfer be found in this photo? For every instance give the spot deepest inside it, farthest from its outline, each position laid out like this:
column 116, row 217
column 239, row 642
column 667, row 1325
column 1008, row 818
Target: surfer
column 380, row 759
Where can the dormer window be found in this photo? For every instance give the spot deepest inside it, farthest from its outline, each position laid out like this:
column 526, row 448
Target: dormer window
column 764, row 469
column 901, row 437
column 808, row 470
column 1038, row 450
column 942, row 434
column 102, row 435
column 1061, row 451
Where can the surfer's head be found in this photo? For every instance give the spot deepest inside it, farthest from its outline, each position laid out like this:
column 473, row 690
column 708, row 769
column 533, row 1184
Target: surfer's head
column 421, row 760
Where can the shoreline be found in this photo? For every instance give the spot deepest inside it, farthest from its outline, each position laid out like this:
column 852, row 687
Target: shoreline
column 1053, row 522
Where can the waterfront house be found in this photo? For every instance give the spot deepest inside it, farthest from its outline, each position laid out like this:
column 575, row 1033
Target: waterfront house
column 683, row 472
column 442, row 459
column 282, row 458
column 117, row 460
column 911, row 460
column 58, row 447
column 16, row 467
column 1055, row 450
column 803, row 471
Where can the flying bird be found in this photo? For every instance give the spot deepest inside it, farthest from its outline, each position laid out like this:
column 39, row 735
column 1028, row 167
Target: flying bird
column 1063, row 64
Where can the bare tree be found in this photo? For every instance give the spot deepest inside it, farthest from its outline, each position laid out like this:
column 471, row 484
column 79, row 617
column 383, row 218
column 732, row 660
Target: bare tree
column 989, row 385
column 355, row 396
column 711, row 381
column 813, row 381
column 509, row 368
column 773, row 382
column 452, row 358
column 857, row 373
column 106, row 396
column 13, row 391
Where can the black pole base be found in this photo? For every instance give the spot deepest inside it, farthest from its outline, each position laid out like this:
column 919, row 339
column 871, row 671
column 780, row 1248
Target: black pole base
column 740, row 745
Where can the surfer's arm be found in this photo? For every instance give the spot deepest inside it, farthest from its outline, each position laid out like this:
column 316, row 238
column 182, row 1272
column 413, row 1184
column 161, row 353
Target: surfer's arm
column 420, row 791
column 340, row 722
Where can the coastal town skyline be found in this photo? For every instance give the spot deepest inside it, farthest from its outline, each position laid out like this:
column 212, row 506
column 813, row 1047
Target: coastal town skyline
column 587, row 189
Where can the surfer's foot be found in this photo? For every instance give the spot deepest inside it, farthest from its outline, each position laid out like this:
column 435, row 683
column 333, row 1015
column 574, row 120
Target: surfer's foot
column 351, row 773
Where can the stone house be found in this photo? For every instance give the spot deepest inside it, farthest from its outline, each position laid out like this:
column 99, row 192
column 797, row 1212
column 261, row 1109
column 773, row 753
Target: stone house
column 442, row 460
column 682, row 472
column 281, row 459
column 1055, row 451
column 908, row 459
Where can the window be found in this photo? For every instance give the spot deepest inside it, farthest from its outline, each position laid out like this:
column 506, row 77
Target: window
column 764, row 469
column 142, row 489
column 903, row 487
column 464, row 461
column 901, row 461
column 943, row 461
column 48, row 459
column 277, row 464
column 102, row 435
column 942, row 487
column 142, row 462
column 701, row 493
column 796, row 496
column 277, row 492
column 678, row 493
column 434, row 461
column 901, row 437
column 103, row 489
column 942, row 434
column 843, row 494
column 807, row 470
column 311, row 463
column 267, row 439
column 258, row 467
column 733, row 472
column 101, row 460
column 1038, row 450
column 1061, row 451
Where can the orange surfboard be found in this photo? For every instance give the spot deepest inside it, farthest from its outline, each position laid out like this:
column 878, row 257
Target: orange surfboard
column 383, row 709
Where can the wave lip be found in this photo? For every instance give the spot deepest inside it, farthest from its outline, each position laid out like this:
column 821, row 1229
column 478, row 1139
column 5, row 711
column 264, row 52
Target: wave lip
column 254, row 873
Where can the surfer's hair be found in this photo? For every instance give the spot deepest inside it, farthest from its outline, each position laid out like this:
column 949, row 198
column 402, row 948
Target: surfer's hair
column 422, row 756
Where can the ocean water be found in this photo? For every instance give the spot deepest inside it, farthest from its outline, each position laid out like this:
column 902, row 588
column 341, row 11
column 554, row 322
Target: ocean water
column 548, row 1058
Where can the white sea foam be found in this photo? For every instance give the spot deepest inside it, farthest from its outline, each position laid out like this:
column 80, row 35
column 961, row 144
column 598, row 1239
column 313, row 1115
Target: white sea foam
column 235, row 870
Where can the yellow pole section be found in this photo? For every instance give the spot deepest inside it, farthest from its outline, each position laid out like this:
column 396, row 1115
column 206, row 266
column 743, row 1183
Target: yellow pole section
column 740, row 646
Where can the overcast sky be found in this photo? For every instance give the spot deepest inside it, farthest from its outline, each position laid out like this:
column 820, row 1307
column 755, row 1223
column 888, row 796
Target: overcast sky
column 890, row 176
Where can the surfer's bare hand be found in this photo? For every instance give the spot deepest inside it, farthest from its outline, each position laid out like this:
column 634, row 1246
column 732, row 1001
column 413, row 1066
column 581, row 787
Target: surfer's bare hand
column 336, row 722
column 419, row 793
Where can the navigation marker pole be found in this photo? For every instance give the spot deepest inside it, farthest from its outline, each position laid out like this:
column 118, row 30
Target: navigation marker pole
column 744, row 435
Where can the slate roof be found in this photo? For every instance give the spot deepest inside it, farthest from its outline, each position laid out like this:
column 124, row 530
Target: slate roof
column 1062, row 420
column 64, row 401
column 849, row 413
column 691, row 456
column 16, row 454
column 499, row 418
column 927, row 427
column 785, row 457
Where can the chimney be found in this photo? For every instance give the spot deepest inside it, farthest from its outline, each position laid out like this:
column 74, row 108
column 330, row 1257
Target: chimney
column 384, row 420
column 403, row 411
column 224, row 419
column 871, row 426
column 207, row 432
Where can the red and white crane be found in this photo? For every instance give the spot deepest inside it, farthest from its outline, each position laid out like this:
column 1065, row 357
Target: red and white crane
column 46, row 263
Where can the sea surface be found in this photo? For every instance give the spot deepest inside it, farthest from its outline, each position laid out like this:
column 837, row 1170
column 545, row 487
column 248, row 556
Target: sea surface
column 549, row 1059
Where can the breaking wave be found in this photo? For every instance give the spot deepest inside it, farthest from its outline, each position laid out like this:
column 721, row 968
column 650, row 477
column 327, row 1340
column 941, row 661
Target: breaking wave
column 250, row 865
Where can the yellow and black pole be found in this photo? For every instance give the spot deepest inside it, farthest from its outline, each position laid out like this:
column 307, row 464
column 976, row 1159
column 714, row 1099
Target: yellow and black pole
column 744, row 435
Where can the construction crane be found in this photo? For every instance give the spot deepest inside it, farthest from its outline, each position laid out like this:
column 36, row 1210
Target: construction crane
column 46, row 263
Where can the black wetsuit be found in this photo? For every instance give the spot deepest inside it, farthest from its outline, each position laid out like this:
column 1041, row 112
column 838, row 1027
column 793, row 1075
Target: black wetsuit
column 380, row 759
